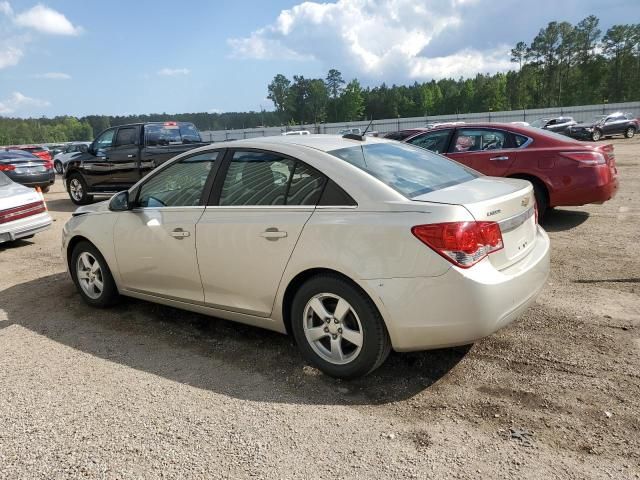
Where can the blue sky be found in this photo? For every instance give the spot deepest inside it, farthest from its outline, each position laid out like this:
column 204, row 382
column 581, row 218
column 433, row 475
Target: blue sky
column 84, row 57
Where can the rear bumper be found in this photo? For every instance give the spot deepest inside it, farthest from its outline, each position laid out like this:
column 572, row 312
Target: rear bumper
column 600, row 186
column 24, row 227
column 460, row 306
column 34, row 180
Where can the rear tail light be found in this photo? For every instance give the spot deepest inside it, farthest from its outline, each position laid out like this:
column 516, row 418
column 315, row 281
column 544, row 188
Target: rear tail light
column 7, row 168
column 48, row 164
column 22, row 211
column 462, row 243
column 586, row 158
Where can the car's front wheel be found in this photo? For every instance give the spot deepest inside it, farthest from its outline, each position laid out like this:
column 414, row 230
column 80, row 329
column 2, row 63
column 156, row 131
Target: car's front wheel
column 77, row 189
column 338, row 328
column 92, row 276
column 630, row 132
column 596, row 135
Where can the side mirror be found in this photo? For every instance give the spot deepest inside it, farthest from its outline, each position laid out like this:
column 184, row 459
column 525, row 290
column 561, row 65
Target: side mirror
column 120, row 202
column 83, row 148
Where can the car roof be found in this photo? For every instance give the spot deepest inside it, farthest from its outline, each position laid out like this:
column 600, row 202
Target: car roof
column 322, row 142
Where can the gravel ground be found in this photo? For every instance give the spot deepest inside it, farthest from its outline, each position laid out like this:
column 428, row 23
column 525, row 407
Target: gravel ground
column 145, row 391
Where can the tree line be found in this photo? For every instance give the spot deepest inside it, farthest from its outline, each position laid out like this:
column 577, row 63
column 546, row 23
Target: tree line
column 563, row 65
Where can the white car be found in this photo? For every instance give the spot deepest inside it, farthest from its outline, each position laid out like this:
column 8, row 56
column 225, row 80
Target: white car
column 22, row 211
column 70, row 151
column 295, row 132
column 353, row 246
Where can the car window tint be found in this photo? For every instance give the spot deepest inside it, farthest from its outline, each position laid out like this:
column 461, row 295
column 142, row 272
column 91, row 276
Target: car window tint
column 256, row 178
column 180, row 184
column 435, row 141
column 407, row 169
column 478, row 140
column 126, row 136
column 106, row 139
column 171, row 133
column 305, row 186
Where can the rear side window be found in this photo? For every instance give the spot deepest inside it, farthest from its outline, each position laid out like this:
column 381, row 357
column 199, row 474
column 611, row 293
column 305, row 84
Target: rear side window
column 126, row 136
column 171, row 133
column 407, row 169
column 479, row 140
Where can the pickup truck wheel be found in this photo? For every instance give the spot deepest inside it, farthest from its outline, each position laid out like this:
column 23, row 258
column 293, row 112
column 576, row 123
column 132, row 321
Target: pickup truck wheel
column 630, row 132
column 77, row 189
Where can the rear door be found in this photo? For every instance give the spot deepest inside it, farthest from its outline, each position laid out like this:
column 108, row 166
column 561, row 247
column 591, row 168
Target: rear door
column 247, row 235
column 124, row 158
column 488, row 150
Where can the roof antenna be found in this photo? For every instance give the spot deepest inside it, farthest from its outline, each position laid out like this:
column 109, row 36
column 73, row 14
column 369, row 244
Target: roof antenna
column 355, row 136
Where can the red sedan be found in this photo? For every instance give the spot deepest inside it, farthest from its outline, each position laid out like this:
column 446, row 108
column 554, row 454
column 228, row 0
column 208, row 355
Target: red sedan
column 563, row 171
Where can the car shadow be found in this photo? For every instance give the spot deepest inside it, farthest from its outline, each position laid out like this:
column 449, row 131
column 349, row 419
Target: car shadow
column 561, row 220
column 15, row 244
column 208, row 353
column 61, row 205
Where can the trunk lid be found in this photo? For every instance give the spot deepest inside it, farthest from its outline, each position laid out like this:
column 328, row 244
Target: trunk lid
column 507, row 201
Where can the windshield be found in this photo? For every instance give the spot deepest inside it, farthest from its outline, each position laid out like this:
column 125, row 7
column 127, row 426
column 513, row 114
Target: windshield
column 407, row 169
column 11, row 154
column 598, row 118
column 171, row 133
column 541, row 122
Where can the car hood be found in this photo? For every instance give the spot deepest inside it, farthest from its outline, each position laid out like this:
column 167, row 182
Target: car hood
column 93, row 208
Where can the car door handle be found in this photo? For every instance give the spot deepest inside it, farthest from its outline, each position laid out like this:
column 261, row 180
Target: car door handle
column 179, row 234
column 273, row 234
column 130, row 156
column 499, row 159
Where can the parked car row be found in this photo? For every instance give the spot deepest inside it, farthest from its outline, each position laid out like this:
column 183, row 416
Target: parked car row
column 27, row 169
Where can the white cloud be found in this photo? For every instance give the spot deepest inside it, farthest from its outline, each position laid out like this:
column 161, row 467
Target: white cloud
column 53, row 76
column 5, row 7
column 173, row 72
column 17, row 101
column 46, row 20
column 10, row 55
column 374, row 39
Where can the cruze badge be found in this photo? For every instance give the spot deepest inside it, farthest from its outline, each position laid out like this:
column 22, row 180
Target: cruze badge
column 525, row 201
column 493, row 212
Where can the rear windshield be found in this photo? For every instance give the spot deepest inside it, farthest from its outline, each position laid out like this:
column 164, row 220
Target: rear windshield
column 407, row 169
column 171, row 134
column 11, row 154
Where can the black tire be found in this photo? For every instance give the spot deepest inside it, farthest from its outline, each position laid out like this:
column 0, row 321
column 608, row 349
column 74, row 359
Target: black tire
column 542, row 200
column 57, row 165
column 630, row 132
column 46, row 189
column 109, row 294
column 79, row 197
column 596, row 135
column 376, row 343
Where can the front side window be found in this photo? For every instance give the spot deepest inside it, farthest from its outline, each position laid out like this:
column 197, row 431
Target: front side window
column 479, row 140
column 106, row 139
column 126, row 136
column 179, row 185
column 409, row 170
column 435, row 141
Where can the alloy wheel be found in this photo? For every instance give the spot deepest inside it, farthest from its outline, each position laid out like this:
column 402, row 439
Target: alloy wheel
column 630, row 132
column 89, row 274
column 76, row 190
column 333, row 329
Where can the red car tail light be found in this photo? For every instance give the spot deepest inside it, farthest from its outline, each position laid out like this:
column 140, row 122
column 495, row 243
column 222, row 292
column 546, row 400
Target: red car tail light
column 7, row 168
column 462, row 243
column 22, row 211
column 586, row 158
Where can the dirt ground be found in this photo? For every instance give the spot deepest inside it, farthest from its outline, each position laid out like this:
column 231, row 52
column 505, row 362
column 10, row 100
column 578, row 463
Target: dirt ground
column 145, row 391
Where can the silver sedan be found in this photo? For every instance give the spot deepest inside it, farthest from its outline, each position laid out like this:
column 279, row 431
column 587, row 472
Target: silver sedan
column 353, row 246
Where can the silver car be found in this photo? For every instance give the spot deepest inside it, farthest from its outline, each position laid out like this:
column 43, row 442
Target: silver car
column 352, row 246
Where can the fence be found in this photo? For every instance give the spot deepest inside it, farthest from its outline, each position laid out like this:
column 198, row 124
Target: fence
column 579, row 113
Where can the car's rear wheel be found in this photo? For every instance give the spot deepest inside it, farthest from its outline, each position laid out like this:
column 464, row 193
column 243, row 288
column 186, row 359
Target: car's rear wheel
column 58, row 166
column 596, row 135
column 92, row 276
column 541, row 199
column 338, row 328
column 630, row 132
column 77, row 189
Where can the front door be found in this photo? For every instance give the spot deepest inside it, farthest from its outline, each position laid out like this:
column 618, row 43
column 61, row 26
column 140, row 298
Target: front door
column 487, row 150
column 97, row 166
column 124, row 158
column 155, row 243
column 245, row 239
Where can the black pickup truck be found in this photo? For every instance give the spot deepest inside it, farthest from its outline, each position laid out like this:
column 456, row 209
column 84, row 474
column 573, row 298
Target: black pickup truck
column 122, row 155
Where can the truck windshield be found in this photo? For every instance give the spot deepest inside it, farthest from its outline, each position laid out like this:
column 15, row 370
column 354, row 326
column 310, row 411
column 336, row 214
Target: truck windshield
column 409, row 170
column 171, row 133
